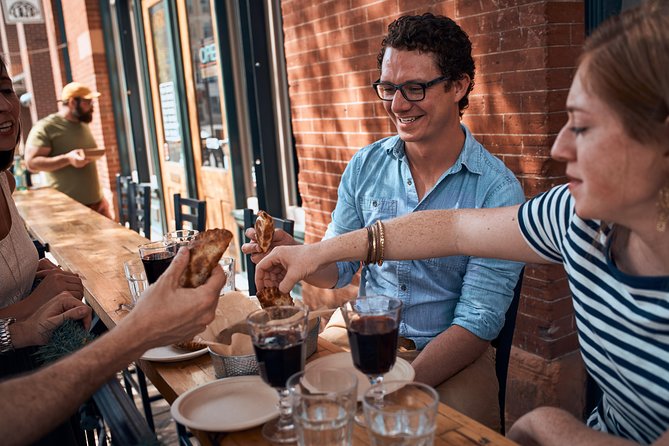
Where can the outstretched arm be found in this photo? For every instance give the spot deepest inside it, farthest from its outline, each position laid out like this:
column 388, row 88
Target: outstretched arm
column 550, row 426
column 164, row 315
column 490, row 232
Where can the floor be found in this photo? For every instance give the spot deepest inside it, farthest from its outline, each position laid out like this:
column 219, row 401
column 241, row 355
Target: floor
column 166, row 430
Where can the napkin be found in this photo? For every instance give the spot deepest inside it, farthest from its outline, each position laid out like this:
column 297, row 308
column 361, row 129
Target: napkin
column 232, row 307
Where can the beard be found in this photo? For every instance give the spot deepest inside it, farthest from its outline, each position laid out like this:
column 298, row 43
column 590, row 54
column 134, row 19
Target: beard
column 82, row 116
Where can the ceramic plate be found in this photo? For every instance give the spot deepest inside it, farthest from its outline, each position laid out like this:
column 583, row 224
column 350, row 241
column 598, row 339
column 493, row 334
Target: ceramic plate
column 401, row 371
column 226, row 405
column 93, row 154
column 170, row 354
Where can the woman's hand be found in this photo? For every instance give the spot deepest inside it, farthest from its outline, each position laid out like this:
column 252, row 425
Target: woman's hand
column 284, row 266
column 55, row 281
column 37, row 328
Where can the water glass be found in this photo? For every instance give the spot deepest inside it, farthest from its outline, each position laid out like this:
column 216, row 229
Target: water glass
column 228, row 265
column 181, row 237
column 324, row 403
column 400, row 413
column 136, row 277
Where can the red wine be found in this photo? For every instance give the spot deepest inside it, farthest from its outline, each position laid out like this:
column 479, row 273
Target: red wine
column 279, row 357
column 155, row 264
column 373, row 341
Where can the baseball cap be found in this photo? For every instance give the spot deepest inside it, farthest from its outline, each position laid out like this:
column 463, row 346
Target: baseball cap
column 77, row 90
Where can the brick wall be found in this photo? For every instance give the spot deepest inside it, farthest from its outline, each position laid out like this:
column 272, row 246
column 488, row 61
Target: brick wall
column 44, row 95
column 525, row 54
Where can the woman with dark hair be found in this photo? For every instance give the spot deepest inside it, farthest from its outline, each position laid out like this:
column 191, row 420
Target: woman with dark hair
column 607, row 226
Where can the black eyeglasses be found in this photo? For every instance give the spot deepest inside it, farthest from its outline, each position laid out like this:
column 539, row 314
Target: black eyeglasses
column 412, row 91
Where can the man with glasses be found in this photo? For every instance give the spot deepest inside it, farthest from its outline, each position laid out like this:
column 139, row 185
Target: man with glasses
column 452, row 307
column 57, row 145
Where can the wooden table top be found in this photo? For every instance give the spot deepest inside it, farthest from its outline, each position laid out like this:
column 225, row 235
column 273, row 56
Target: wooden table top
column 95, row 247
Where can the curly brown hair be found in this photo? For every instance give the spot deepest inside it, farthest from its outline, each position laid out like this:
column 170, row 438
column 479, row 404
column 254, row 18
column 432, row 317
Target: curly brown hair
column 439, row 35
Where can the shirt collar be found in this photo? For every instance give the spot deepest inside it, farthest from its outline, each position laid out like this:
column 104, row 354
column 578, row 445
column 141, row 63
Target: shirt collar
column 470, row 155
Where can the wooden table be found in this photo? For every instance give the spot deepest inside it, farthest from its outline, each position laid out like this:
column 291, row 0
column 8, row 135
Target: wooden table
column 95, row 247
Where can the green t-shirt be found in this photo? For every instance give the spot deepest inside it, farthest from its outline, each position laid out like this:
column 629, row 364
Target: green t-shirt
column 62, row 136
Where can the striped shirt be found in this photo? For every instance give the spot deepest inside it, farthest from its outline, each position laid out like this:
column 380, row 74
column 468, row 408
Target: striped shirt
column 622, row 320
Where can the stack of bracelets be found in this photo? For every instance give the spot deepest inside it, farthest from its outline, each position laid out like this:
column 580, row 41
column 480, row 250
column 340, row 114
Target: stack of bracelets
column 375, row 243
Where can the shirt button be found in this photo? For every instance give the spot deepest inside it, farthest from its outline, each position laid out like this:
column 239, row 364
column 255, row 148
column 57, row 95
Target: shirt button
column 409, row 182
column 375, row 203
column 403, row 287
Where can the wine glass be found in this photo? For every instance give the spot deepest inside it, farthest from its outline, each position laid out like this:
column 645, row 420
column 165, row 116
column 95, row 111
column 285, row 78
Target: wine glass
column 372, row 324
column 156, row 257
column 279, row 339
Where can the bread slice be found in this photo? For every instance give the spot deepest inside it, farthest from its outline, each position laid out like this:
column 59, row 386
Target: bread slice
column 206, row 249
column 264, row 227
column 272, row 297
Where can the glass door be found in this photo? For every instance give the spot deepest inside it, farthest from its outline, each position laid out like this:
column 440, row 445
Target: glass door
column 172, row 133
column 207, row 114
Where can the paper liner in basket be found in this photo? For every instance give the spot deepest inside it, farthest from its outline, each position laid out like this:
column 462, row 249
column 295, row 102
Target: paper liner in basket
column 232, row 307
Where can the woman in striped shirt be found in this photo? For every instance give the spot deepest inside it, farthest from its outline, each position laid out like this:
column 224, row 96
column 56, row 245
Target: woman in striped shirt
column 608, row 226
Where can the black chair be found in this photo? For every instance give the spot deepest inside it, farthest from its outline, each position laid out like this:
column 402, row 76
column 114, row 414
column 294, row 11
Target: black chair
column 122, row 183
column 139, row 208
column 502, row 344
column 197, row 215
column 249, row 221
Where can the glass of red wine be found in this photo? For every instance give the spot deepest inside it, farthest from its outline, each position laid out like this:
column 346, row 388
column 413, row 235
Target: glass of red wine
column 279, row 338
column 372, row 324
column 156, row 257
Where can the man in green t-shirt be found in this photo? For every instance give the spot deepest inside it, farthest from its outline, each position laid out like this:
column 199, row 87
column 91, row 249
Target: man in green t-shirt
column 57, row 145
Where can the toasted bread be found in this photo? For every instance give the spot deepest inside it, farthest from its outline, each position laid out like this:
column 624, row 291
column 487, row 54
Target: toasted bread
column 272, row 297
column 206, row 250
column 190, row 346
column 264, row 227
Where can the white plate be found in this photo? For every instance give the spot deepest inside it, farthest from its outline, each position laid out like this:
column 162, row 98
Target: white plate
column 170, row 354
column 226, row 405
column 401, row 371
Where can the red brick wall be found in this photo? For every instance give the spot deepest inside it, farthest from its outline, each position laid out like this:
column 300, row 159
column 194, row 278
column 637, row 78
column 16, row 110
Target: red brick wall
column 44, row 95
column 525, row 54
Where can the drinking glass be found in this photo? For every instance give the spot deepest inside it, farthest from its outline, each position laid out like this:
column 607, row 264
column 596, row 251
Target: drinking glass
column 156, row 257
column 228, row 265
column 400, row 413
column 372, row 324
column 181, row 237
column 279, row 335
column 324, row 402
column 136, row 277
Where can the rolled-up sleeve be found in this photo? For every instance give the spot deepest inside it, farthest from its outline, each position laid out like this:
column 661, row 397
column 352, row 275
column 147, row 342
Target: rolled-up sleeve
column 346, row 218
column 488, row 284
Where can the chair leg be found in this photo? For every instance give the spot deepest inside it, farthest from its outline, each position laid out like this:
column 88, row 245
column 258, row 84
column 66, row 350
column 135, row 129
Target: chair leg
column 146, row 401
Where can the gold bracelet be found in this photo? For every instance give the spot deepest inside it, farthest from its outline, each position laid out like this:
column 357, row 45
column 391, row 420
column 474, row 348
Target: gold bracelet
column 375, row 246
column 382, row 242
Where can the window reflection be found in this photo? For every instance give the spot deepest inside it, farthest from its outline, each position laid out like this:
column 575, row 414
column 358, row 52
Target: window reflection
column 206, row 72
column 164, row 58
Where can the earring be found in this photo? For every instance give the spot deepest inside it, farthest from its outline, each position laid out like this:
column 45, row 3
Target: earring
column 663, row 206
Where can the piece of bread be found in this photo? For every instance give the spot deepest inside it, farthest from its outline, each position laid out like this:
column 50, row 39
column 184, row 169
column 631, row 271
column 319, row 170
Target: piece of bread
column 190, row 346
column 272, row 297
column 206, row 250
column 264, row 230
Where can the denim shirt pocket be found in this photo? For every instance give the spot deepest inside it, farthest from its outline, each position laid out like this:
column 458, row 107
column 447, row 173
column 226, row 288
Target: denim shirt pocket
column 374, row 208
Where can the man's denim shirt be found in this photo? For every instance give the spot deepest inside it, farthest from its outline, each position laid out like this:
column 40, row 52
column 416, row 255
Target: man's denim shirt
column 471, row 292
